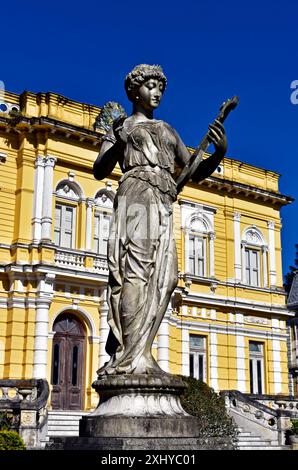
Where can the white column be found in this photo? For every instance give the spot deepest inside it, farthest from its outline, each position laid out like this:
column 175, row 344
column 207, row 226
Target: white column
column 186, row 250
column 243, row 263
column 237, row 247
column 41, row 338
column 213, row 361
column 103, row 331
column 265, row 274
column 89, row 203
column 185, row 350
column 163, row 342
column 240, row 353
column 211, row 254
column 46, row 230
column 43, row 302
column 276, row 357
column 241, row 369
column 272, row 261
column 37, row 198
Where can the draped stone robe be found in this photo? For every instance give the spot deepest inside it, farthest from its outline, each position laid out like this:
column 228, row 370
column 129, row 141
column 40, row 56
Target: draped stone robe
column 141, row 252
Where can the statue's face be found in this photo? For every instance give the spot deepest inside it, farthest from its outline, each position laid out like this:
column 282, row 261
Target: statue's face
column 150, row 93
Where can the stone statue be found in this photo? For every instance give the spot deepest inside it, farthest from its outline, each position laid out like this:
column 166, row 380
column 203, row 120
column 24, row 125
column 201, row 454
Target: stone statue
column 142, row 254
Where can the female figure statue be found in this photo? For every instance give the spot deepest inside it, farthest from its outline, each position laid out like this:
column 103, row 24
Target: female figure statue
column 142, row 254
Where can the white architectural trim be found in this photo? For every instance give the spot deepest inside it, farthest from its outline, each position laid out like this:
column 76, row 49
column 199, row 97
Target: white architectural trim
column 38, row 198
column 240, row 361
column 252, row 237
column 81, row 312
column 73, row 187
column 163, row 342
column 89, row 204
column 104, row 328
column 41, row 338
column 277, row 366
column 272, row 256
column 237, row 248
column 211, row 254
column 264, row 263
column 47, row 199
column 213, row 366
column 185, row 351
column 198, row 219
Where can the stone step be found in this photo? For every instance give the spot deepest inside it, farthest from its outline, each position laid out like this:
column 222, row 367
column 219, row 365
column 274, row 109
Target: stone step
column 68, row 422
column 254, row 438
column 261, row 448
column 64, row 422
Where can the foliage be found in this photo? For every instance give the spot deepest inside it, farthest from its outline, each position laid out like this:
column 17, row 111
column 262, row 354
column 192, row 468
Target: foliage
column 290, row 275
column 10, row 440
column 294, row 429
column 6, row 421
column 203, row 402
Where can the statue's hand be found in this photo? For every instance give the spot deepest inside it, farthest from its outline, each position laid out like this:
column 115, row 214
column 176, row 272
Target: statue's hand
column 117, row 126
column 217, row 136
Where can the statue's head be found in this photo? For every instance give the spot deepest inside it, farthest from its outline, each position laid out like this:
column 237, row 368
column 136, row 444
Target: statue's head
column 140, row 75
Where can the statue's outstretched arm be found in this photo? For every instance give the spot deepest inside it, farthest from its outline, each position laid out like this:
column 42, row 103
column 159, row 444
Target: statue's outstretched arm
column 110, row 153
column 218, row 137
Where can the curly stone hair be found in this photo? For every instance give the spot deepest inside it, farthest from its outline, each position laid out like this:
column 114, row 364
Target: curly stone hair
column 139, row 75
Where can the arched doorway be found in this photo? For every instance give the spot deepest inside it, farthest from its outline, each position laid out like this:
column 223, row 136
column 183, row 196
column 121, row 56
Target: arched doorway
column 68, row 363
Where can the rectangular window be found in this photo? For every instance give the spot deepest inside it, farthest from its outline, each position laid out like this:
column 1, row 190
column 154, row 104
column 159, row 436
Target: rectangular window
column 101, row 232
column 256, row 367
column 196, row 255
column 64, row 231
column 197, row 357
column 252, row 266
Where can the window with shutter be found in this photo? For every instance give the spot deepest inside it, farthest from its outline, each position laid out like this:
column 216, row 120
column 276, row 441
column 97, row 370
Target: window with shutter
column 252, row 267
column 65, row 226
column 197, row 357
column 196, row 256
column 101, row 232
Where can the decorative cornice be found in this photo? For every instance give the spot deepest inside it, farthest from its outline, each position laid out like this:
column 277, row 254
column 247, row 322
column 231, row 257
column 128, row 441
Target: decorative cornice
column 254, row 192
column 45, row 124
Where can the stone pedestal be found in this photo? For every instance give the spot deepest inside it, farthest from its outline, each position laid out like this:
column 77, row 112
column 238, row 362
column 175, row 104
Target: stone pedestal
column 139, row 406
column 139, row 412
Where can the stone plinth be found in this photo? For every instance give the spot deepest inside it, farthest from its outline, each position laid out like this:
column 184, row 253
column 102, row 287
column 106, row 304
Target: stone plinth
column 139, row 412
column 139, row 406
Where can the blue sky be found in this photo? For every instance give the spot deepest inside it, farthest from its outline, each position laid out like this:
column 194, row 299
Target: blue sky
column 210, row 50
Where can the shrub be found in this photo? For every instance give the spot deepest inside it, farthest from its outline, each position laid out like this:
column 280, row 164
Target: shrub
column 203, row 402
column 10, row 440
column 294, row 429
column 6, row 421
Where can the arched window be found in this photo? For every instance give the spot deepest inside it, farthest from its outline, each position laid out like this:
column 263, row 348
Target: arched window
column 254, row 258
column 199, row 250
column 102, row 217
column 68, row 196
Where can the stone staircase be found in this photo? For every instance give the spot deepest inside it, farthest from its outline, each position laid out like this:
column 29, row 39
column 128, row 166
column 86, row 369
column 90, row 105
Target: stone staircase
column 64, row 423
column 250, row 441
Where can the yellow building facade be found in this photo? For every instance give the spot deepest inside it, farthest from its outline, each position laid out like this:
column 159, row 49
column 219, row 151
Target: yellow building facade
column 226, row 323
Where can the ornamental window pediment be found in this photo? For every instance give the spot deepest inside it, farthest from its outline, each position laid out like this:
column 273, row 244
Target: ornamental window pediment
column 104, row 198
column 69, row 190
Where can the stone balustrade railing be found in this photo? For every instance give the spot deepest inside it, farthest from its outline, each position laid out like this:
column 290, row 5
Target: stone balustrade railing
column 25, row 401
column 255, row 415
column 279, row 402
column 81, row 260
column 69, row 259
column 100, row 264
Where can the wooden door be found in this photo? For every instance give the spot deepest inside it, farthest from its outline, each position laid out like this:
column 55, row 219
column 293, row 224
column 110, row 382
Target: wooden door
column 68, row 363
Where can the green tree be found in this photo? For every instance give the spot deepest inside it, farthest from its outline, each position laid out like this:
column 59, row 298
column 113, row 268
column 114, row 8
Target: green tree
column 290, row 275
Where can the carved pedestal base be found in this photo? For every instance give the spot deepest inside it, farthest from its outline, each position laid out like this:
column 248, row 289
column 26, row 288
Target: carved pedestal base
column 139, row 406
